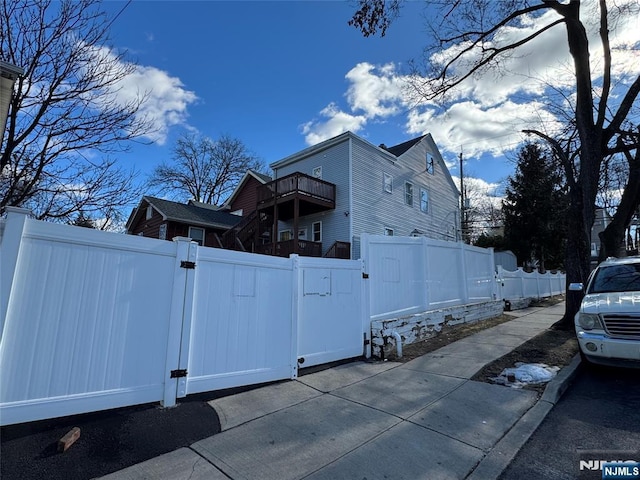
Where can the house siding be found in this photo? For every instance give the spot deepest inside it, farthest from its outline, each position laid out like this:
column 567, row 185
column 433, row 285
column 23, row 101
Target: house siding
column 335, row 169
column 374, row 208
column 149, row 228
column 246, row 199
column 357, row 168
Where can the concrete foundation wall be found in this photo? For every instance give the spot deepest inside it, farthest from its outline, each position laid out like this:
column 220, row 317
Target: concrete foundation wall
column 421, row 326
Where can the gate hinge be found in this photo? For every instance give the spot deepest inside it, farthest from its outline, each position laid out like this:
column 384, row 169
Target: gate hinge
column 179, row 373
column 365, row 275
column 187, row 264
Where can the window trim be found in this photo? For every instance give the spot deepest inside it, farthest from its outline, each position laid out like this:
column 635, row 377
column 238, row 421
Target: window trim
column 408, row 203
column 430, row 164
column 387, row 186
column 285, row 230
column 149, row 212
column 424, row 210
column 313, row 231
column 195, row 239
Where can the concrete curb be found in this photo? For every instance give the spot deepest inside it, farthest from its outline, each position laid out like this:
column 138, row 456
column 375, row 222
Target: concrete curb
column 502, row 453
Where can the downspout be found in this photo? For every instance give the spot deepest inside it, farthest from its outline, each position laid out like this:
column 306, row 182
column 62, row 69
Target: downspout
column 398, row 339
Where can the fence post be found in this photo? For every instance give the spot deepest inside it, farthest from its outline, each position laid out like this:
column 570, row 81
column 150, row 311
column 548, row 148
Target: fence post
column 500, row 282
column 426, row 272
column 365, row 308
column 296, row 311
column 182, row 299
column 11, row 242
column 463, row 273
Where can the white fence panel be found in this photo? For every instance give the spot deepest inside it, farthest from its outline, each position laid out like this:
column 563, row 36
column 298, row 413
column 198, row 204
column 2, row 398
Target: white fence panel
column 395, row 266
column 520, row 284
column 243, row 326
column 332, row 317
column 480, row 274
column 87, row 322
column 444, row 274
column 414, row 274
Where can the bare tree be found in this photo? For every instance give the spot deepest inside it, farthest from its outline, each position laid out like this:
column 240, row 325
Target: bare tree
column 469, row 41
column 65, row 117
column 203, row 169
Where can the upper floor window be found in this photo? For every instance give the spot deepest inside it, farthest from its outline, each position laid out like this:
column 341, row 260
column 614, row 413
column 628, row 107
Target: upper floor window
column 317, row 172
column 430, row 163
column 149, row 212
column 197, row 235
column 408, row 194
column 316, row 228
column 387, row 183
column 162, row 233
column 424, row 200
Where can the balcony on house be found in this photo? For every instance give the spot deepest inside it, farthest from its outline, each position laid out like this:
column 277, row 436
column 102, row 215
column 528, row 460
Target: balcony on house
column 296, row 195
column 284, row 248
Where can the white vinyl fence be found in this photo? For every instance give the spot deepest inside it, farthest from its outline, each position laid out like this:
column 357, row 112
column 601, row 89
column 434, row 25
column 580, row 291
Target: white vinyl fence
column 93, row 320
column 521, row 284
column 414, row 274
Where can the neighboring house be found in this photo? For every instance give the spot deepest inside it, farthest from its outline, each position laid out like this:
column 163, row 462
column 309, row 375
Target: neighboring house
column 164, row 219
column 326, row 196
column 243, row 200
column 600, row 222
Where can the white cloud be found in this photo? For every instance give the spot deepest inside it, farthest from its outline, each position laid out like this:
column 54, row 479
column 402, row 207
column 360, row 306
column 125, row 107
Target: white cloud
column 487, row 113
column 165, row 97
column 336, row 122
column 477, row 130
column 375, row 92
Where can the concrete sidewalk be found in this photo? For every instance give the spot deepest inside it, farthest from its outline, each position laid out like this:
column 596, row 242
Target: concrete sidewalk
column 423, row 419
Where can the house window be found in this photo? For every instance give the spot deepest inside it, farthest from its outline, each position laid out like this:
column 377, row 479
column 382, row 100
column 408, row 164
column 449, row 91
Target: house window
column 149, row 212
column 317, row 231
column 430, row 163
column 317, row 172
column 285, row 235
column 424, row 200
column 387, row 183
column 197, row 235
column 408, row 194
column 302, row 234
column 388, row 231
column 162, row 235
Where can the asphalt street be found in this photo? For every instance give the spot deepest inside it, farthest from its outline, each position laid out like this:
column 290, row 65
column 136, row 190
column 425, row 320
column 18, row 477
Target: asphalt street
column 109, row 440
column 598, row 418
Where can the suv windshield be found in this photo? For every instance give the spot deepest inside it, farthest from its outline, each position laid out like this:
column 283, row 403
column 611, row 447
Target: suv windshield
column 616, row 278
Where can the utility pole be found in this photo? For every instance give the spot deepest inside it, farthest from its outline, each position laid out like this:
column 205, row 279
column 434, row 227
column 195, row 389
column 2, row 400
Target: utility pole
column 463, row 210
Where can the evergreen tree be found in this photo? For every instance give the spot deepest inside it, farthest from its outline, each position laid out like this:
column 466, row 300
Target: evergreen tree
column 534, row 210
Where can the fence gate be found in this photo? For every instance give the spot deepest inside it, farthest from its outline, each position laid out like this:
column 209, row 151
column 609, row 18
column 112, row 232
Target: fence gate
column 242, row 324
column 333, row 317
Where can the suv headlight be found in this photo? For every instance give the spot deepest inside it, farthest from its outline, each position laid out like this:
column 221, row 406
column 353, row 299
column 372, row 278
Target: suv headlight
column 589, row 321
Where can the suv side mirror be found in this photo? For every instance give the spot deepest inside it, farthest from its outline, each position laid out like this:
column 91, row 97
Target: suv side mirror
column 576, row 287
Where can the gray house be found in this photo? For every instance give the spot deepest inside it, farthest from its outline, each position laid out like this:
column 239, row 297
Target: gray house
column 356, row 187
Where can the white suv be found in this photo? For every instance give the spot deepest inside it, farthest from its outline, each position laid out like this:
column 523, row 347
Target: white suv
column 608, row 323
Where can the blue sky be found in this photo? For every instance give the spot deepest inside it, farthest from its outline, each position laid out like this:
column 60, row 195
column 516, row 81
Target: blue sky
column 282, row 75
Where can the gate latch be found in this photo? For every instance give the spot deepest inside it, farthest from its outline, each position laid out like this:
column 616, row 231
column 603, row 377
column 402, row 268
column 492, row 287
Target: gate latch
column 179, row 373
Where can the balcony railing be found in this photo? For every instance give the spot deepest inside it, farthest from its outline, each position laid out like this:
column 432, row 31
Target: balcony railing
column 287, row 247
column 297, row 183
column 339, row 250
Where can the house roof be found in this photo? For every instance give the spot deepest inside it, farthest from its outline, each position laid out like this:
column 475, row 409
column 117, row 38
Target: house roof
column 260, row 177
column 323, row 146
column 399, row 149
column 185, row 213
